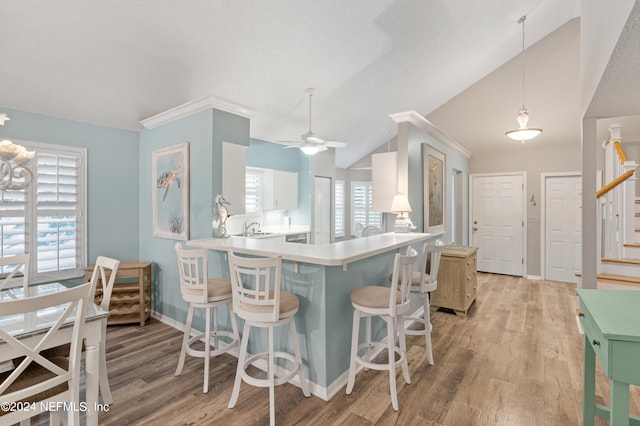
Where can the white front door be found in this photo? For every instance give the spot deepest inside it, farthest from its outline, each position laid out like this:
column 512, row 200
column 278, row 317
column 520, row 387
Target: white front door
column 497, row 223
column 321, row 233
column 563, row 227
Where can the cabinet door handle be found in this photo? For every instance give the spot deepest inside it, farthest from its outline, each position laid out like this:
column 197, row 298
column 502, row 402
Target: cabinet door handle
column 596, row 342
column 580, row 314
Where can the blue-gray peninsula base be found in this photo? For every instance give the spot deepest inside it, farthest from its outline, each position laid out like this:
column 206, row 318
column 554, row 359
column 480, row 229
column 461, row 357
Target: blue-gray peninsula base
column 323, row 277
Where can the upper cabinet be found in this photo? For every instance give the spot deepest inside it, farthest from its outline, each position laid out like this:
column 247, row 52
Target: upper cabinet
column 280, row 190
column 384, row 180
column 234, row 158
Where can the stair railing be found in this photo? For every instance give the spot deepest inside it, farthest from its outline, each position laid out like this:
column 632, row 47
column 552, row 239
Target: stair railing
column 618, row 207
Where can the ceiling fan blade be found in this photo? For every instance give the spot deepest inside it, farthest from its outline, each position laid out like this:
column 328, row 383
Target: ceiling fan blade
column 290, row 143
column 314, row 139
column 335, row 144
column 293, row 146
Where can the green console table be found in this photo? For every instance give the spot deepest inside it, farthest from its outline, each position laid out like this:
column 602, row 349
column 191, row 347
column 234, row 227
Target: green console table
column 611, row 323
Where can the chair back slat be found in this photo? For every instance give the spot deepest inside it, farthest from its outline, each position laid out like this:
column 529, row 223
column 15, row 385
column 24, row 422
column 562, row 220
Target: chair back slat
column 14, row 272
column 68, row 306
column 104, row 273
column 401, row 280
column 193, row 269
column 430, row 255
column 255, row 286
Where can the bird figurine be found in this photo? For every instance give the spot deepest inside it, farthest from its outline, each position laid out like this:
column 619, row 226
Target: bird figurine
column 220, row 215
column 166, row 179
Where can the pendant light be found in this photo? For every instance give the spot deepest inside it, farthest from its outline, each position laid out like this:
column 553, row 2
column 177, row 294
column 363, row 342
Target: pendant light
column 524, row 133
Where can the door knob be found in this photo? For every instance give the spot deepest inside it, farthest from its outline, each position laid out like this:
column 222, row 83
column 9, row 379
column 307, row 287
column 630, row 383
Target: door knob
column 475, row 229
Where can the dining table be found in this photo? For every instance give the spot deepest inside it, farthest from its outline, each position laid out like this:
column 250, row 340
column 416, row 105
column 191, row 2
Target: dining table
column 31, row 326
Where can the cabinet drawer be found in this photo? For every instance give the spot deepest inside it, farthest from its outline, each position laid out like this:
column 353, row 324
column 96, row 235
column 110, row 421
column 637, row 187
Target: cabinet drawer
column 597, row 341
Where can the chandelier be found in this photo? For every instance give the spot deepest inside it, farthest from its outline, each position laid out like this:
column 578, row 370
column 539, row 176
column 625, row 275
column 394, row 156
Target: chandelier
column 14, row 171
column 524, row 133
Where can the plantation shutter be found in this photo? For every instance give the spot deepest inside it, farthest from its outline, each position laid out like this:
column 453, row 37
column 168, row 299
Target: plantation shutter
column 339, row 208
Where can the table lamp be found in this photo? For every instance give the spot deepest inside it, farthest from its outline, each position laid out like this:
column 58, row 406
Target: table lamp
column 401, row 207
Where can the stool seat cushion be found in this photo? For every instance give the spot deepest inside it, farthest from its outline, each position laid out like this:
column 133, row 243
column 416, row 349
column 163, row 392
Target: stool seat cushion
column 373, row 297
column 217, row 289
column 288, row 305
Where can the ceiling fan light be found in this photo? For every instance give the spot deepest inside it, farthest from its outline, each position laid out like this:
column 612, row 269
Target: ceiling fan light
column 310, row 149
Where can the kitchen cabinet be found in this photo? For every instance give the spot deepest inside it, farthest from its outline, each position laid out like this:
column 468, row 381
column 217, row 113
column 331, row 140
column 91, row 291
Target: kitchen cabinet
column 280, row 190
column 457, row 279
column 384, row 180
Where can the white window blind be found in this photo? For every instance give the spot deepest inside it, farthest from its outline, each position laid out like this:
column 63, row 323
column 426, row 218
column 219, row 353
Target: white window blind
column 47, row 218
column 339, row 208
column 253, row 190
column 362, row 205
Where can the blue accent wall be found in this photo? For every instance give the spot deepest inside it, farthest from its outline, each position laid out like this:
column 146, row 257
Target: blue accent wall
column 454, row 160
column 112, row 177
column 205, row 132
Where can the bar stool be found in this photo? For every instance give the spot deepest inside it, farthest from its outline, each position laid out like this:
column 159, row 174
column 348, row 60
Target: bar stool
column 423, row 283
column 258, row 300
column 209, row 294
column 391, row 304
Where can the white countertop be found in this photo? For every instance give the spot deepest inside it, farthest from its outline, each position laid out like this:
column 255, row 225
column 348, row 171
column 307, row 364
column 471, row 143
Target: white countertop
column 334, row 254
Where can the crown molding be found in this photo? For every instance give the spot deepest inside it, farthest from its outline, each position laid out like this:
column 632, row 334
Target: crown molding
column 425, row 125
column 195, row 106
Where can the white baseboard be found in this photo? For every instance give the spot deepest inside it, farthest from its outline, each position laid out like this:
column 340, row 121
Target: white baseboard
column 533, row 277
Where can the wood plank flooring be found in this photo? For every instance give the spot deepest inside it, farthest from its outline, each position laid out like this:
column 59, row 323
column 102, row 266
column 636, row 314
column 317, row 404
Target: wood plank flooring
column 516, row 359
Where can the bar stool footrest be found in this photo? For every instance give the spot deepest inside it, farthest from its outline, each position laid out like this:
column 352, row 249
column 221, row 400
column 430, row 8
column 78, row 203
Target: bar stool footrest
column 282, row 375
column 381, row 347
column 223, row 347
column 420, row 332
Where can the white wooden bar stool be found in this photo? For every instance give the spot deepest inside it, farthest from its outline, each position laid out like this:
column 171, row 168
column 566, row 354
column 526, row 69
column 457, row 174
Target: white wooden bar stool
column 390, row 304
column 258, row 300
column 423, row 283
column 207, row 293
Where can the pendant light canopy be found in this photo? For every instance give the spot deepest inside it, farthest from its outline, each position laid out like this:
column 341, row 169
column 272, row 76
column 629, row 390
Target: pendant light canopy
column 524, row 133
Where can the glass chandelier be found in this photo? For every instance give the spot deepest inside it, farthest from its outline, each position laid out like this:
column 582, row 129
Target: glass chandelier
column 14, row 171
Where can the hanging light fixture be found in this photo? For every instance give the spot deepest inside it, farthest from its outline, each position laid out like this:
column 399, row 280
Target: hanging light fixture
column 524, row 133
column 14, row 171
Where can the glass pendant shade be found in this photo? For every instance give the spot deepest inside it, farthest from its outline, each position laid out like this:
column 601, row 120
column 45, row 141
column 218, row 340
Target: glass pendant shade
column 524, row 133
column 310, row 149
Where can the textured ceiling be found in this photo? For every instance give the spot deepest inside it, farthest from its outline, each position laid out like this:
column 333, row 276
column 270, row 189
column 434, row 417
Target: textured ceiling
column 115, row 63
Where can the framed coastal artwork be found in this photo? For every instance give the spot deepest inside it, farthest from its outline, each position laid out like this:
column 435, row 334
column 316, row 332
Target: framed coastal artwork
column 170, row 168
column 434, row 166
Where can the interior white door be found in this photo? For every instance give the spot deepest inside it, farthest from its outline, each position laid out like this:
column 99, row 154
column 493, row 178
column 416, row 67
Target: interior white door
column 321, row 233
column 498, row 223
column 563, row 227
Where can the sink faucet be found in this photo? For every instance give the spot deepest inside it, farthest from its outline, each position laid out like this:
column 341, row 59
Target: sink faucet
column 246, row 227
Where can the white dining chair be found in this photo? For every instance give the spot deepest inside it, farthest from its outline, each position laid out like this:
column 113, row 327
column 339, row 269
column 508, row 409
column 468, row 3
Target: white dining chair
column 202, row 292
column 259, row 301
column 105, row 271
column 38, row 380
column 14, row 273
column 390, row 304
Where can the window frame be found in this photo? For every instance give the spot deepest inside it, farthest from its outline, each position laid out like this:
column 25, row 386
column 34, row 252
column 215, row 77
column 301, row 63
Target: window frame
column 31, row 212
column 368, row 202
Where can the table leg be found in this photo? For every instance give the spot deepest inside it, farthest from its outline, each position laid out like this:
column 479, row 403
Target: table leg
column 589, row 395
column 92, row 370
column 619, row 403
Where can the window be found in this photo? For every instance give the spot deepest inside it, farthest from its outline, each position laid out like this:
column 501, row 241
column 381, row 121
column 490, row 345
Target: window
column 339, row 208
column 47, row 219
column 362, row 204
column 253, row 190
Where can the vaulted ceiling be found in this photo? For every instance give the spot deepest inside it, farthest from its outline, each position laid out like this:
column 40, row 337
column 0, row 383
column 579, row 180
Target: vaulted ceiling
column 115, row 63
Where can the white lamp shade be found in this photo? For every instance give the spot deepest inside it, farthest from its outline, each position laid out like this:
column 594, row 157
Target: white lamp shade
column 400, row 204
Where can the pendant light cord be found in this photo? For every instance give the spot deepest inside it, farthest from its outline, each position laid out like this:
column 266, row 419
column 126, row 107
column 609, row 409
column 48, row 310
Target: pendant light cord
column 521, row 20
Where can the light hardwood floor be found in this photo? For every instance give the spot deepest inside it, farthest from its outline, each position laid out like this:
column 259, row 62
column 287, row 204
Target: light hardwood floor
column 516, row 359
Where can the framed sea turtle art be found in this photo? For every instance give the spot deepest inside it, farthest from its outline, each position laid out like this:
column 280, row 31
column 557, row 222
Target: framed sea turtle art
column 170, row 182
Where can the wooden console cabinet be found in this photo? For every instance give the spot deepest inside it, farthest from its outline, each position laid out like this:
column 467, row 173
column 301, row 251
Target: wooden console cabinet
column 131, row 295
column 457, row 279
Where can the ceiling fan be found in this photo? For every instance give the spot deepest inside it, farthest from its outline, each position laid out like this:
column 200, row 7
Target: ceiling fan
column 312, row 144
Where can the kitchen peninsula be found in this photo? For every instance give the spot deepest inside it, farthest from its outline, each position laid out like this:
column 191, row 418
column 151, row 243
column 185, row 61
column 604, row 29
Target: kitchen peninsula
column 323, row 277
